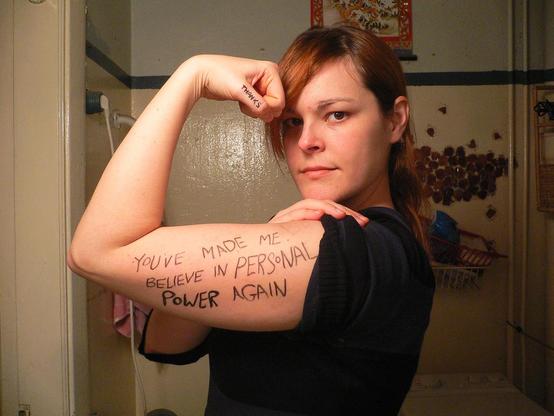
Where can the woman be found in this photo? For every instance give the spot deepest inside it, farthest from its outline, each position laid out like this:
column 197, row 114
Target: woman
column 320, row 311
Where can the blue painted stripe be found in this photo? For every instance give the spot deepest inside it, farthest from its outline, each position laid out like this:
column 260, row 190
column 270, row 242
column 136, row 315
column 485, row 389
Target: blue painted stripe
column 107, row 64
column 149, row 82
column 534, row 76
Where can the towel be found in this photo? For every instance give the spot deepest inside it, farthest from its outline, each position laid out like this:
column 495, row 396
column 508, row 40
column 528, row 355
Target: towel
column 122, row 316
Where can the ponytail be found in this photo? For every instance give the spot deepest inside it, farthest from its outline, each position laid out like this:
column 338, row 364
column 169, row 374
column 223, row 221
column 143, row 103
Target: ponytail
column 405, row 186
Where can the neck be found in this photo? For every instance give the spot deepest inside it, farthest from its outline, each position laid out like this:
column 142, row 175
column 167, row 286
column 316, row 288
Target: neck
column 379, row 196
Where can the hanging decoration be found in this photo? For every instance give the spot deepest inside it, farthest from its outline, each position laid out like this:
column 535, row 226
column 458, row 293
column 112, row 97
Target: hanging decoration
column 491, row 212
column 453, row 175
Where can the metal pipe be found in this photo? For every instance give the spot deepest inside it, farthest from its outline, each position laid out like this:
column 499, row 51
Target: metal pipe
column 119, row 119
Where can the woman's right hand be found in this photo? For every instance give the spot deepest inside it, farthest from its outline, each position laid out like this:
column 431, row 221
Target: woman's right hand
column 254, row 84
column 314, row 209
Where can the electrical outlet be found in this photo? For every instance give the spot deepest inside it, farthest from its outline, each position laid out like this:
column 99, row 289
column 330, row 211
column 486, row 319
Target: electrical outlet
column 24, row 410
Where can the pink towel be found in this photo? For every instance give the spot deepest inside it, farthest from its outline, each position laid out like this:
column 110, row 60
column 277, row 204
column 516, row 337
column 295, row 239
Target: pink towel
column 122, row 317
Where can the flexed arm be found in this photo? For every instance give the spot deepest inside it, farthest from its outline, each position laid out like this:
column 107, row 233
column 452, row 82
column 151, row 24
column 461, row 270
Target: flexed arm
column 129, row 199
column 226, row 275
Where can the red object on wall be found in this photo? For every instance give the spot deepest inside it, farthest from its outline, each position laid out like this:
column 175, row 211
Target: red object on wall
column 393, row 24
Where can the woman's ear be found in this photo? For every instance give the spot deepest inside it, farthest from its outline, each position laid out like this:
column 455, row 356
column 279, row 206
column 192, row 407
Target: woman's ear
column 399, row 118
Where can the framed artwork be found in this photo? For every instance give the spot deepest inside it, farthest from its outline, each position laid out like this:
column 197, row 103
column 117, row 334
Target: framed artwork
column 391, row 20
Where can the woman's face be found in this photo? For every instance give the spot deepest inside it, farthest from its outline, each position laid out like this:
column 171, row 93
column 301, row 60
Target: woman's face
column 337, row 141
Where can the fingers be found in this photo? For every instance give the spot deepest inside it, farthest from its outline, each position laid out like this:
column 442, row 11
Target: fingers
column 264, row 97
column 255, row 105
column 326, row 207
column 298, row 215
column 314, row 209
column 274, row 92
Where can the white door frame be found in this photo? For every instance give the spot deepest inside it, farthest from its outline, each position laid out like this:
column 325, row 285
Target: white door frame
column 43, row 337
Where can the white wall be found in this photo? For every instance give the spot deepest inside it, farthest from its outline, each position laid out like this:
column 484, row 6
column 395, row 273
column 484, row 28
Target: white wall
column 166, row 33
column 108, row 27
column 43, row 351
column 448, row 35
column 548, row 34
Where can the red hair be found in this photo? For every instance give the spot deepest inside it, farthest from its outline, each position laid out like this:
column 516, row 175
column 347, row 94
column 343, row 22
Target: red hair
column 381, row 73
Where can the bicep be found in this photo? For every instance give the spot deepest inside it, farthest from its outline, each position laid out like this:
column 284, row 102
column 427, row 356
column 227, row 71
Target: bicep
column 234, row 276
column 167, row 334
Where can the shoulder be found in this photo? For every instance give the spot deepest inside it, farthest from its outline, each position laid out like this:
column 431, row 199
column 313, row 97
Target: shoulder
column 391, row 284
column 366, row 271
column 386, row 232
column 389, row 228
column 382, row 218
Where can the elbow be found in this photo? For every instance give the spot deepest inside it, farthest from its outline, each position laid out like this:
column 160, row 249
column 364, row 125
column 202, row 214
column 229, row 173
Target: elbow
column 71, row 263
column 79, row 260
column 73, row 260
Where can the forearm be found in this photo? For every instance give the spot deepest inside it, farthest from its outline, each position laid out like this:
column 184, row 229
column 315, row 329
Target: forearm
column 129, row 199
column 168, row 334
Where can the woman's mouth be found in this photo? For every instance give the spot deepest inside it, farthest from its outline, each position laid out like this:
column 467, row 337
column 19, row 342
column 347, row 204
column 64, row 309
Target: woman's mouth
column 315, row 172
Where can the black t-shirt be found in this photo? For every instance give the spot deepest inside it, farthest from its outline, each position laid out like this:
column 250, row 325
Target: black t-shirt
column 357, row 346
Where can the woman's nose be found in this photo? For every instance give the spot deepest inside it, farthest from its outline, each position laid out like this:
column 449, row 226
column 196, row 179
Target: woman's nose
column 310, row 140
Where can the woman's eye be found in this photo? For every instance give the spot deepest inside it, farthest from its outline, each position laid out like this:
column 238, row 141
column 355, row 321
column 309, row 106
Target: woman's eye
column 337, row 115
column 292, row 122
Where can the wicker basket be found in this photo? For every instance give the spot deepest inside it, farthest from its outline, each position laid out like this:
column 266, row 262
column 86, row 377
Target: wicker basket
column 459, row 266
column 456, row 277
column 463, row 255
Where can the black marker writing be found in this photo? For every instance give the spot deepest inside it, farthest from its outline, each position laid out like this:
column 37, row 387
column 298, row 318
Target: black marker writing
column 175, row 280
column 219, row 270
column 263, row 263
column 200, row 299
column 154, row 261
column 251, row 96
column 271, row 239
column 251, row 292
column 227, row 246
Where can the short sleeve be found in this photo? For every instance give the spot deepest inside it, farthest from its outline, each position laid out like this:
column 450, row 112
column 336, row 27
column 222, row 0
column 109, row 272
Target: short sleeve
column 183, row 358
column 368, row 281
column 339, row 278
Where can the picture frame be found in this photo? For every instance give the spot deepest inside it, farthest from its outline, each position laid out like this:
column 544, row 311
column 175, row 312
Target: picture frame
column 391, row 20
